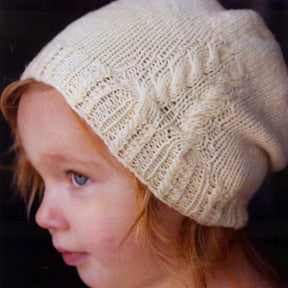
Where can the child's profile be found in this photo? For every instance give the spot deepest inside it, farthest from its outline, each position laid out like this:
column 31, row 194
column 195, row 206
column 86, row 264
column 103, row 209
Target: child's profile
column 146, row 127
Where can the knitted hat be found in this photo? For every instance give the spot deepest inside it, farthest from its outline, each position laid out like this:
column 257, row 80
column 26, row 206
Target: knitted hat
column 190, row 97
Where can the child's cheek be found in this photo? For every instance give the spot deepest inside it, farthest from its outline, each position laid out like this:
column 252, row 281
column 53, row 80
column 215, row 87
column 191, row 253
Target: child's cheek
column 106, row 235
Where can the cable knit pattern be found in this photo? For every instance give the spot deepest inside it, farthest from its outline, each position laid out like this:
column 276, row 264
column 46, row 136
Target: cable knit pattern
column 190, row 97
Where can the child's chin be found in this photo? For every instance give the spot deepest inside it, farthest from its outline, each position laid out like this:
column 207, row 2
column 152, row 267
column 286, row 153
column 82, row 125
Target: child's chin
column 95, row 279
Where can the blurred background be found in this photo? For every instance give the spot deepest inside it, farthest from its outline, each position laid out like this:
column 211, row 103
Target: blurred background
column 27, row 258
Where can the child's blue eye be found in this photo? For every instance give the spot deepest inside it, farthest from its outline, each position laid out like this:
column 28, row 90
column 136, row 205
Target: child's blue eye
column 79, row 179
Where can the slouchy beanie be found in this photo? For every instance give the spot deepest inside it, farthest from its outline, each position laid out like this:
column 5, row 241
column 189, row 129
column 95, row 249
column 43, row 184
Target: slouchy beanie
column 189, row 96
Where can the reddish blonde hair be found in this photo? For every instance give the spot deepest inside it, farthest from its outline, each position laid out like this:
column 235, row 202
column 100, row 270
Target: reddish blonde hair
column 200, row 247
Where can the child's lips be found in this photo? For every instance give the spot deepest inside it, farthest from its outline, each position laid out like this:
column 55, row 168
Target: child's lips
column 71, row 258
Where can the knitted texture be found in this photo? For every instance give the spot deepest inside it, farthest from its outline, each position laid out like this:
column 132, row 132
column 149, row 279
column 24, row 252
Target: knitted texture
column 190, row 97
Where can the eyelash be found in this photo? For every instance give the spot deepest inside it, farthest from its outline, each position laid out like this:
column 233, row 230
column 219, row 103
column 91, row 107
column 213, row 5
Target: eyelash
column 82, row 177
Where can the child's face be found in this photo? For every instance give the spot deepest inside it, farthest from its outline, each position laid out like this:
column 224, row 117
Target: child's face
column 89, row 204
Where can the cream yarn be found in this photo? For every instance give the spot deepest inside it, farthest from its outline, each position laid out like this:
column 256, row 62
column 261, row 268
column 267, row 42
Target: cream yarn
column 190, row 97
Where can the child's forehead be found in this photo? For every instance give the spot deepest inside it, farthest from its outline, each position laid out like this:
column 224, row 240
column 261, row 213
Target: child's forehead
column 49, row 108
column 43, row 97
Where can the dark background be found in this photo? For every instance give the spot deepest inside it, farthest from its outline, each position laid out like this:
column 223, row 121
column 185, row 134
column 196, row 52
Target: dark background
column 27, row 259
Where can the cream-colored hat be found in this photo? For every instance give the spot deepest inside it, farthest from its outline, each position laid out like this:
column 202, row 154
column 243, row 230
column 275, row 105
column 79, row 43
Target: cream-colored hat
column 190, row 97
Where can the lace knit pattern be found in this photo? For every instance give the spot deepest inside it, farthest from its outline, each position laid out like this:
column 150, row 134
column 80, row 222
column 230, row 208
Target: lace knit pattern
column 188, row 96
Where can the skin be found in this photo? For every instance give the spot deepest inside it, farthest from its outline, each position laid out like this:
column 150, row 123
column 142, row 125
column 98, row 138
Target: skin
column 87, row 222
column 89, row 204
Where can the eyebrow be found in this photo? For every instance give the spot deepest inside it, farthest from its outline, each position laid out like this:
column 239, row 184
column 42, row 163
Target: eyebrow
column 92, row 161
column 68, row 160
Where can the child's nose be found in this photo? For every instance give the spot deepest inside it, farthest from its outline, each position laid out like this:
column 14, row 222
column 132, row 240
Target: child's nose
column 50, row 214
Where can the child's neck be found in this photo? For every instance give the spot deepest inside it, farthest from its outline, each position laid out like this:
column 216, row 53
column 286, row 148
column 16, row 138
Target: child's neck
column 239, row 273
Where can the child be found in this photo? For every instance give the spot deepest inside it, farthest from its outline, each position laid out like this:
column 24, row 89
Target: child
column 146, row 127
